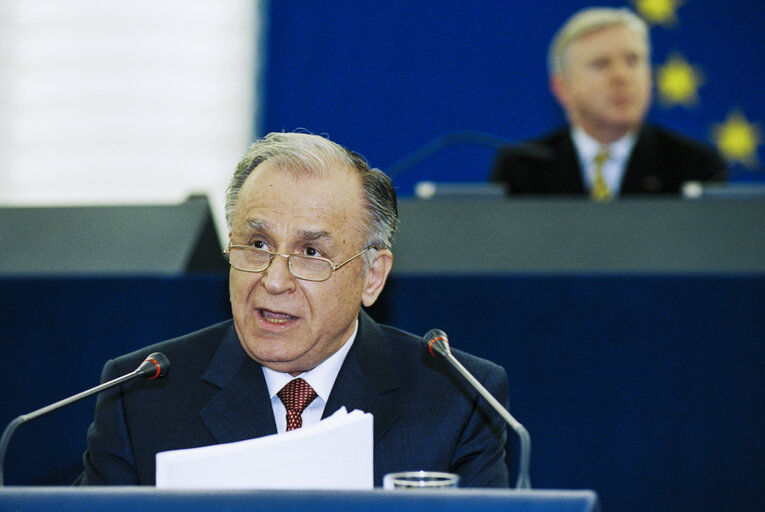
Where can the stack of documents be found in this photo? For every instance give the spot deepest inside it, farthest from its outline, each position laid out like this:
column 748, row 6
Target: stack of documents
column 335, row 453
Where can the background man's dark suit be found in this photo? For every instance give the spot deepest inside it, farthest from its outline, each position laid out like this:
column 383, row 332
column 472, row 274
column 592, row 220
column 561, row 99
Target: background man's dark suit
column 425, row 415
column 659, row 164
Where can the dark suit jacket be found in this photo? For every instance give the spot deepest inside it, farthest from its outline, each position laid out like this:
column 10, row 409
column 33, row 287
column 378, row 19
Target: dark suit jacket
column 425, row 415
column 660, row 163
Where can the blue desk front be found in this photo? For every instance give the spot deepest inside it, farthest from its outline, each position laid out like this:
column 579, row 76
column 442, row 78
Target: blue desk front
column 138, row 499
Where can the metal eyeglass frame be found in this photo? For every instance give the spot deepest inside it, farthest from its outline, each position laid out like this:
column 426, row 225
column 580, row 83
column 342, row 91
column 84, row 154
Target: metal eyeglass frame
column 332, row 266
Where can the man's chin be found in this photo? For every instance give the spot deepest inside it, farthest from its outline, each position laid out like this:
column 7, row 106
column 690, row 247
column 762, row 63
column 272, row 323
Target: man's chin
column 294, row 368
column 623, row 124
column 275, row 359
column 627, row 116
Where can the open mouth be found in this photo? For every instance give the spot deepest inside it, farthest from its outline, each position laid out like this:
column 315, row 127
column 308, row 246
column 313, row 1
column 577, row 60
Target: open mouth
column 275, row 317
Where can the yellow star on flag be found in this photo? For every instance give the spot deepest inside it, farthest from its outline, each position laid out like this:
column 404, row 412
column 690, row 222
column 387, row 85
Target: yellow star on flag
column 678, row 82
column 737, row 139
column 658, row 12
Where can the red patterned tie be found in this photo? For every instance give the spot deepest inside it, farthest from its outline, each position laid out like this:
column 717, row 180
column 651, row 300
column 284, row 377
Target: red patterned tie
column 296, row 396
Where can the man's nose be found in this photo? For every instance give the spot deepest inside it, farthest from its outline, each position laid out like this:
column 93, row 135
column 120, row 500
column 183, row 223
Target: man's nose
column 277, row 278
column 621, row 72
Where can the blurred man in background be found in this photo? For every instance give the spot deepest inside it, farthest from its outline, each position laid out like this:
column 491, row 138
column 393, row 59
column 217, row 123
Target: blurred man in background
column 600, row 73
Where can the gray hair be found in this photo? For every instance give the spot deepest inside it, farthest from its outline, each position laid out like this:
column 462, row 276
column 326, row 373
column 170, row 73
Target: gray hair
column 586, row 21
column 308, row 154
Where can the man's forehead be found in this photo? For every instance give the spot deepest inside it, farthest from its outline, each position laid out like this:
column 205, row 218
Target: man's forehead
column 299, row 204
column 306, row 233
column 627, row 35
column 305, row 178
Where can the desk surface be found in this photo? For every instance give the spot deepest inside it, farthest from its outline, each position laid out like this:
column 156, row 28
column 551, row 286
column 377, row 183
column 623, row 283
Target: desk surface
column 135, row 499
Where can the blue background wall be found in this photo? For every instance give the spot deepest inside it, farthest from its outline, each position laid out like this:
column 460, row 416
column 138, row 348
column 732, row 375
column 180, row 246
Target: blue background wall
column 384, row 78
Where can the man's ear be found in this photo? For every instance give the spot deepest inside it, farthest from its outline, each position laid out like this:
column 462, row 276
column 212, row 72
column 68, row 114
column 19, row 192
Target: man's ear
column 559, row 89
column 376, row 276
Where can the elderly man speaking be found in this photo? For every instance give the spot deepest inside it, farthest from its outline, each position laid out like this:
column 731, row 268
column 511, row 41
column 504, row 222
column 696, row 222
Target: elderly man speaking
column 309, row 243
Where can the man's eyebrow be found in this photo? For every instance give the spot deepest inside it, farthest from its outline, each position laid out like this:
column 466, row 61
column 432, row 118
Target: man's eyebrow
column 307, row 234
column 304, row 234
column 258, row 225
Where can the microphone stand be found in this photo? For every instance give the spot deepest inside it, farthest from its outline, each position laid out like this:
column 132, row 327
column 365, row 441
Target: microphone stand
column 155, row 364
column 437, row 344
column 523, row 482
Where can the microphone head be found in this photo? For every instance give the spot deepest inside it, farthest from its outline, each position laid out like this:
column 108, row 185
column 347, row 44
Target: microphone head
column 436, row 343
column 155, row 366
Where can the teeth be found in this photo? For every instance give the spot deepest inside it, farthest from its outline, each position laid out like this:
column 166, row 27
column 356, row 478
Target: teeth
column 275, row 318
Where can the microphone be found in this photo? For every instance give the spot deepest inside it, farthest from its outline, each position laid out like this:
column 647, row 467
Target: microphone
column 436, row 343
column 155, row 366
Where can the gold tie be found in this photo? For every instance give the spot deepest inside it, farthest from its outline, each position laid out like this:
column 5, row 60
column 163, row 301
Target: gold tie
column 599, row 190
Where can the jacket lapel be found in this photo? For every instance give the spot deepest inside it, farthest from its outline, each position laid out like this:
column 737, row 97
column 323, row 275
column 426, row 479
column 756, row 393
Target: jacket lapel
column 568, row 172
column 642, row 174
column 242, row 409
column 367, row 380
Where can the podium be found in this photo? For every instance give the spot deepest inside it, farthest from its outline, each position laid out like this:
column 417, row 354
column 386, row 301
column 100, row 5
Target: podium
column 139, row 499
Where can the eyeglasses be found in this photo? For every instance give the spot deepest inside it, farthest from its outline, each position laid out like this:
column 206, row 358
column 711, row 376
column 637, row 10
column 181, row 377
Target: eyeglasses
column 308, row 268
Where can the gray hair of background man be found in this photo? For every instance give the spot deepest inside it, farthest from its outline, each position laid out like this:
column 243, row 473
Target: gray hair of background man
column 307, row 153
column 586, row 21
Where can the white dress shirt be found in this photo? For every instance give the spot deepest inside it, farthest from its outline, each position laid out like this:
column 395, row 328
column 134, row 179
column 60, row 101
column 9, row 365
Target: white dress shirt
column 616, row 165
column 321, row 379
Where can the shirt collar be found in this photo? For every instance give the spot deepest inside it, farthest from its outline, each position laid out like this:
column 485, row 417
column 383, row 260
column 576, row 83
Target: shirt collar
column 321, row 378
column 588, row 147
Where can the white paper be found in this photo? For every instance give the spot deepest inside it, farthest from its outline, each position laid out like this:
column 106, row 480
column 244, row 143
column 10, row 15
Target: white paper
column 335, row 453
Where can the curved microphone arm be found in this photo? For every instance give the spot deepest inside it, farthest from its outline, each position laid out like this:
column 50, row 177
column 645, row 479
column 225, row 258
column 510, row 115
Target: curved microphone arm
column 524, row 481
column 462, row 137
column 436, row 343
column 154, row 366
